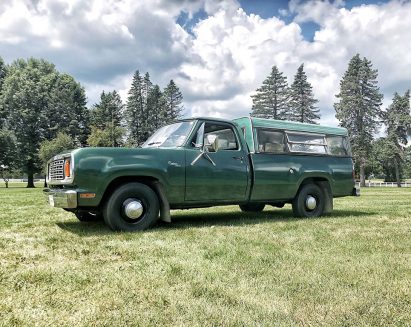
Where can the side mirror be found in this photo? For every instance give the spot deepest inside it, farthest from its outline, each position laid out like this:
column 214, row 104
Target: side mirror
column 212, row 143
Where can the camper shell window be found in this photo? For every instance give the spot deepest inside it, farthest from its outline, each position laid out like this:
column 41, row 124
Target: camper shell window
column 277, row 141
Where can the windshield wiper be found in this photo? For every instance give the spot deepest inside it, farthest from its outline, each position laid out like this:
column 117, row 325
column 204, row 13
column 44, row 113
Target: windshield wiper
column 152, row 143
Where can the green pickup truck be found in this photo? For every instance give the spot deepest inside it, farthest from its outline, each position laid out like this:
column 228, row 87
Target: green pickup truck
column 203, row 162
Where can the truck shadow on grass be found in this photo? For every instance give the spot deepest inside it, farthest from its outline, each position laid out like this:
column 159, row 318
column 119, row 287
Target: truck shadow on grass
column 187, row 219
column 206, row 219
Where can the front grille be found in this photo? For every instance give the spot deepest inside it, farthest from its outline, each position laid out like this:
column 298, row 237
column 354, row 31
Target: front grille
column 56, row 170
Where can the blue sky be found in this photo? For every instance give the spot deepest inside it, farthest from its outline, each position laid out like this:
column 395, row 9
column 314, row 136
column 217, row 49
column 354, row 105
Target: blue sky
column 218, row 52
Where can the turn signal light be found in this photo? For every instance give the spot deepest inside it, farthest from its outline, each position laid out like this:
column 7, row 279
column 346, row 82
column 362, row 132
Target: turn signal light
column 67, row 168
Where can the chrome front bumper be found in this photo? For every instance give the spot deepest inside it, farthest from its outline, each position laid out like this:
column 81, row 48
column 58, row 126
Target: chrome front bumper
column 61, row 198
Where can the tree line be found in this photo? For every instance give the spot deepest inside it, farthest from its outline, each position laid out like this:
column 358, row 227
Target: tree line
column 43, row 112
column 358, row 108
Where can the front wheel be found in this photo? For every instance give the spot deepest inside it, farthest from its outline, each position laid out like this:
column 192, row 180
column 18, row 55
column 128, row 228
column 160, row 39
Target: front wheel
column 131, row 207
column 309, row 202
column 252, row 207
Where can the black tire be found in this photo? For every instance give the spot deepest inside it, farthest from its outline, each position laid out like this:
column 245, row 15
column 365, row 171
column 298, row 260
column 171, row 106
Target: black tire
column 114, row 210
column 87, row 216
column 252, row 207
column 300, row 205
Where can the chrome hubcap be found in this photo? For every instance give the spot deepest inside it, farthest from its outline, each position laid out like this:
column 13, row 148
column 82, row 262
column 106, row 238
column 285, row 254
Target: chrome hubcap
column 133, row 208
column 310, row 202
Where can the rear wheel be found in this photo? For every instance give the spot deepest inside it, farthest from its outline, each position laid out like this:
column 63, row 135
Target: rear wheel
column 252, row 207
column 131, row 207
column 309, row 202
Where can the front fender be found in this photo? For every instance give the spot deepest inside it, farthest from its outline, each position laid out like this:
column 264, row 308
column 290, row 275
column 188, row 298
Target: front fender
column 94, row 171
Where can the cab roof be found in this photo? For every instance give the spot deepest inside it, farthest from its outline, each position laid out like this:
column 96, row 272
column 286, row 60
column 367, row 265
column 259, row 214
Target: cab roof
column 291, row 126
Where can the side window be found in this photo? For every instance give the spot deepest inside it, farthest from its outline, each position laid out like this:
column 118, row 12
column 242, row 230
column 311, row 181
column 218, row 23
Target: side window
column 338, row 145
column 209, row 131
column 305, row 142
column 270, row 141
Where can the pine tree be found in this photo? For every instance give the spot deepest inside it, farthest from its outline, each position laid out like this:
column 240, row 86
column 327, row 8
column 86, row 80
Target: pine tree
column 3, row 72
column 172, row 101
column 134, row 110
column 302, row 103
column 398, row 122
column 146, row 123
column 154, row 108
column 359, row 108
column 271, row 98
column 107, row 116
column 66, row 110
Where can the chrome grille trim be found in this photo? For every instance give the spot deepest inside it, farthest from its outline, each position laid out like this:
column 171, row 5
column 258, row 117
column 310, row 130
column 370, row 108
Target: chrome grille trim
column 56, row 170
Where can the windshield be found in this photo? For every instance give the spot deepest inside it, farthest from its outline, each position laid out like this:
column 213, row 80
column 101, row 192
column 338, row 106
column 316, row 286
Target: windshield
column 169, row 136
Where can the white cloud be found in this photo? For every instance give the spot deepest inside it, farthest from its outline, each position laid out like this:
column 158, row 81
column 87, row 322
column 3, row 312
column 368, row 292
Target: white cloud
column 226, row 58
column 233, row 52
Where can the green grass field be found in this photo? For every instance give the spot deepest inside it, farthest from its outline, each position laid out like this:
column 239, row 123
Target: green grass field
column 210, row 267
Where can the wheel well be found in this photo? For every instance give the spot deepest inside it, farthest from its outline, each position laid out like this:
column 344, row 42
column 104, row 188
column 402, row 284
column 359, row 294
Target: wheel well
column 124, row 180
column 325, row 186
column 151, row 182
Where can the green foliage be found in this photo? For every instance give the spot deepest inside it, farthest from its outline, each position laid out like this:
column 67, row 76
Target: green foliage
column 134, row 110
column 106, row 121
column 110, row 136
column 382, row 159
column 359, row 108
column 302, row 103
column 271, row 99
column 148, row 108
column 8, row 149
column 36, row 103
column 49, row 148
column 109, row 110
column 8, row 154
column 172, row 102
column 407, row 162
column 3, row 72
column 67, row 110
column 155, row 108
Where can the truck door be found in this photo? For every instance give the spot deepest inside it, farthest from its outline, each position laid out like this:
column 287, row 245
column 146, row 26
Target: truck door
column 216, row 165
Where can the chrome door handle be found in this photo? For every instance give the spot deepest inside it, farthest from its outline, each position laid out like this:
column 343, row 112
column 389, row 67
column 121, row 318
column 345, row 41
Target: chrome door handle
column 238, row 158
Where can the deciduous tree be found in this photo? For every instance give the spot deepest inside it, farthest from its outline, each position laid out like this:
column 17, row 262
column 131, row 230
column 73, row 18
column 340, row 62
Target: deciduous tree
column 8, row 154
column 37, row 102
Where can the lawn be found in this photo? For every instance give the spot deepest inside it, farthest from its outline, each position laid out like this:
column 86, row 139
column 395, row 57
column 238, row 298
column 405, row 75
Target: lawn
column 210, row 267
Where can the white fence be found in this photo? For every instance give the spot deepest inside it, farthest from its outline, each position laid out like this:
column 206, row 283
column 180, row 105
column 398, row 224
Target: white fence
column 384, row 184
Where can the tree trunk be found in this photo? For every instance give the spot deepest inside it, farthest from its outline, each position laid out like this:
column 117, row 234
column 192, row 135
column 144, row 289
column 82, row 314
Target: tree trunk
column 397, row 172
column 362, row 174
column 45, row 180
column 7, row 184
column 30, row 180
